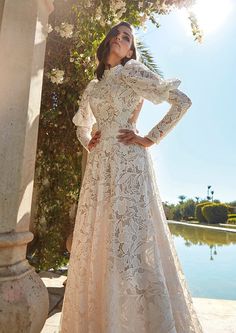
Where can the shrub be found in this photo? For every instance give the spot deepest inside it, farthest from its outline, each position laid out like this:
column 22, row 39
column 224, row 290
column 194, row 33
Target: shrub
column 232, row 208
column 198, row 211
column 231, row 216
column 231, row 221
column 215, row 213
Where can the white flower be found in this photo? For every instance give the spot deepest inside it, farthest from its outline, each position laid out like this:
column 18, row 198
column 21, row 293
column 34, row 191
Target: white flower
column 117, row 5
column 50, row 28
column 140, row 5
column 118, row 8
column 98, row 15
column 120, row 12
column 65, row 30
column 72, row 59
column 56, row 76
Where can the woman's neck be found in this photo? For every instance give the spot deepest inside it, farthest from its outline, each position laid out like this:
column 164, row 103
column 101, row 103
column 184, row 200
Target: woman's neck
column 112, row 61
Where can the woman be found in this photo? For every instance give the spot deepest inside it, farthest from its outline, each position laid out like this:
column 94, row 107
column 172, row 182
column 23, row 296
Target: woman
column 124, row 274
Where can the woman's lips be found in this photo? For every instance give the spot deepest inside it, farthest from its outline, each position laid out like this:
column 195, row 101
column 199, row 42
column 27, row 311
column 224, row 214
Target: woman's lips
column 116, row 43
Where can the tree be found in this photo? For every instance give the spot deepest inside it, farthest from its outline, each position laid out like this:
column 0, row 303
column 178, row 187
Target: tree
column 188, row 209
column 181, row 198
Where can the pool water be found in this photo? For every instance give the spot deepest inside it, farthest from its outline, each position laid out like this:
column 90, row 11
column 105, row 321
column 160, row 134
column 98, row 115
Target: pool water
column 208, row 259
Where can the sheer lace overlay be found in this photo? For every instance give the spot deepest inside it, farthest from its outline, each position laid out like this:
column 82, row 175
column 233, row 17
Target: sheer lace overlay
column 124, row 274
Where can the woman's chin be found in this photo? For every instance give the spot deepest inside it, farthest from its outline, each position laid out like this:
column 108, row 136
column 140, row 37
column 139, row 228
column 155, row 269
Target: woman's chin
column 116, row 53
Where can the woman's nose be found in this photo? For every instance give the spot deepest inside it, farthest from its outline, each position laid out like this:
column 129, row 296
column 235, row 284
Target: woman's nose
column 118, row 37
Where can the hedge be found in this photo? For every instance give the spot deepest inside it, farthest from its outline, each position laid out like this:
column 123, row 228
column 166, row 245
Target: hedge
column 215, row 213
column 198, row 211
column 231, row 221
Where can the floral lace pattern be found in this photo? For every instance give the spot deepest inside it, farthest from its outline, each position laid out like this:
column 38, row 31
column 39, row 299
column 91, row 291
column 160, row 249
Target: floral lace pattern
column 124, row 274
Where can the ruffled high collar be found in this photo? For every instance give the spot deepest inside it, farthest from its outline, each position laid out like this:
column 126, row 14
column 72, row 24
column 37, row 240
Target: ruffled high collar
column 112, row 70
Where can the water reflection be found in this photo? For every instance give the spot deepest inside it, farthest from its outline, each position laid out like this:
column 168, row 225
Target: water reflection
column 202, row 236
column 207, row 255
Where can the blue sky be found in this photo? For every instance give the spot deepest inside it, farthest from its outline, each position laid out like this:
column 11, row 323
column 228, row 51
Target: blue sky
column 201, row 149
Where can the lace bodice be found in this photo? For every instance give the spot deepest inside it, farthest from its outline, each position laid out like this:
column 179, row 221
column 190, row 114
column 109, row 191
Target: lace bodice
column 114, row 101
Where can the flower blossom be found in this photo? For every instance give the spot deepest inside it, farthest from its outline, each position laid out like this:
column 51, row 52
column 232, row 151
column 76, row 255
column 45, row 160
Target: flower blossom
column 118, row 6
column 65, row 30
column 56, row 76
column 50, row 28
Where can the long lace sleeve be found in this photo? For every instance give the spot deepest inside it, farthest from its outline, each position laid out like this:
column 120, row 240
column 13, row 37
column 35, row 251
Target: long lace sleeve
column 84, row 118
column 180, row 104
column 152, row 87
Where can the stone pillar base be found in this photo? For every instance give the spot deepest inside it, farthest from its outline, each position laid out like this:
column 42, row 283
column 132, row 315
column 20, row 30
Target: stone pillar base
column 24, row 301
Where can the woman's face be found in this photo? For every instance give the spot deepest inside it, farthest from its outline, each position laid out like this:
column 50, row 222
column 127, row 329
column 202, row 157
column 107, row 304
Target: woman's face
column 120, row 45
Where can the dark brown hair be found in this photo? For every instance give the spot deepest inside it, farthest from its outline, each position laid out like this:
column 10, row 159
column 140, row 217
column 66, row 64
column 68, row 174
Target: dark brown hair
column 104, row 49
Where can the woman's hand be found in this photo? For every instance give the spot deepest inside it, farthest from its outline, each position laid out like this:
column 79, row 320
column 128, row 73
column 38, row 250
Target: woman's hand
column 130, row 137
column 95, row 140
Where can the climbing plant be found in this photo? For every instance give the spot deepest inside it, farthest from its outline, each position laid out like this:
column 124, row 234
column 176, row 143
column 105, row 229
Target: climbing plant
column 75, row 30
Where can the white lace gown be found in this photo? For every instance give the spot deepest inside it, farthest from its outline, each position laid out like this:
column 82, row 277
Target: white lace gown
column 124, row 273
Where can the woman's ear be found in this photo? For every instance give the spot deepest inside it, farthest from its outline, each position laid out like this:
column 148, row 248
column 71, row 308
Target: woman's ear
column 129, row 54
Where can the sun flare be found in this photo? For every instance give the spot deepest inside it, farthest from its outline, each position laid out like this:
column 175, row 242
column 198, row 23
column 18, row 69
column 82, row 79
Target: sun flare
column 211, row 14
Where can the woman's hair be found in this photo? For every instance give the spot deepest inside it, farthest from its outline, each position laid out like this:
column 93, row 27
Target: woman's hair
column 104, row 48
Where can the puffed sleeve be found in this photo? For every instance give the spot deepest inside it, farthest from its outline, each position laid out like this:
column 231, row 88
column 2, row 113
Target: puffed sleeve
column 152, row 87
column 84, row 118
column 147, row 83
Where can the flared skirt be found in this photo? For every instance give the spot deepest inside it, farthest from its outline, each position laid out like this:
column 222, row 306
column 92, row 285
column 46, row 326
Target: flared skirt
column 124, row 273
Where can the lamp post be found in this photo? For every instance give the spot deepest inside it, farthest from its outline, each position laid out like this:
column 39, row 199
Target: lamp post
column 208, row 188
column 212, row 192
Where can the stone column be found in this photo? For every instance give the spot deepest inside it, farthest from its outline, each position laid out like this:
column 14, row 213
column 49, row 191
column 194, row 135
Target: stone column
column 23, row 31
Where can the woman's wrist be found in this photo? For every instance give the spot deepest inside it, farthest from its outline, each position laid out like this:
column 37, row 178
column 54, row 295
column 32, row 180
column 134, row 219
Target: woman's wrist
column 146, row 142
column 149, row 140
column 128, row 136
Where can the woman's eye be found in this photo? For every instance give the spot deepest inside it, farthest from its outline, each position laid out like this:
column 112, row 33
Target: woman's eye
column 126, row 38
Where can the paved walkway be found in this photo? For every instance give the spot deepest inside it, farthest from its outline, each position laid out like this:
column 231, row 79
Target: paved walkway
column 216, row 316
column 205, row 226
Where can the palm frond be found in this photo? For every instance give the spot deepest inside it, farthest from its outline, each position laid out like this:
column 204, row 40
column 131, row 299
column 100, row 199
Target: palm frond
column 147, row 58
